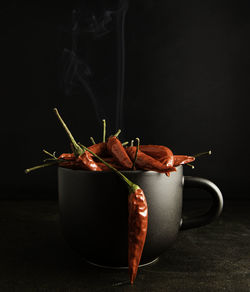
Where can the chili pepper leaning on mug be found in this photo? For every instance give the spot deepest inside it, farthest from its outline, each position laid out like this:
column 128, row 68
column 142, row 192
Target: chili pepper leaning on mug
column 137, row 220
column 80, row 154
column 116, row 149
column 137, row 229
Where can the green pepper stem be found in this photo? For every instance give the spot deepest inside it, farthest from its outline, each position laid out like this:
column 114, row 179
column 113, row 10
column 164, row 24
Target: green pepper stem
column 78, row 151
column 190, row 165
column 92, row 140
column 133, row 187
column 125, row 143
column 132, row 143
column 117, row 133
column 203, row 153
column 104, row 131
column 136, row 153
column 28, row 170
column 50, row 154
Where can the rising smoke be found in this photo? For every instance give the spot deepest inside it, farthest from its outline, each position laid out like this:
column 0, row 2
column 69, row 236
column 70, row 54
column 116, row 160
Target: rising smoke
column 94, row 65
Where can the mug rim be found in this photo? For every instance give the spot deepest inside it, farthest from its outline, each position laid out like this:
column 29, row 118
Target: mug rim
column 122, row 171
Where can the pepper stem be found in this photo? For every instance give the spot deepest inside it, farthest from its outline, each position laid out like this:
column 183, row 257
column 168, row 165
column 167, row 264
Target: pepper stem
column 92, row 140
column 203, row 153
column 132, row 143
column 117, row 133
column 77, row 149
column 125, row 143
column 104, row 131
column 190, row 165
column 133, row 187
column 28, row 170
column 137, row 148
column 50, row 154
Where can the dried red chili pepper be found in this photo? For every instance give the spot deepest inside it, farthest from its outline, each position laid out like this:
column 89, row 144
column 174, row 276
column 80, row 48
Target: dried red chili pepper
column 80, row 154
column 182, row 159
column 137, row 220
column 159, row 152
column 137, row 229
column 88, row 161
column 146, row 162
column 67, row 160
column 70, row 161
column 67, row 156
column 109, row 159
column 116, row 149
column 100, row 148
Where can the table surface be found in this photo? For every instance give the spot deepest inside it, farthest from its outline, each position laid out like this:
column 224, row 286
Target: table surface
column 35, row 257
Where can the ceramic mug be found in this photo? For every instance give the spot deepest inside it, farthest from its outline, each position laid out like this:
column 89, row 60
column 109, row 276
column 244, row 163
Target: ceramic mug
column 94, row 212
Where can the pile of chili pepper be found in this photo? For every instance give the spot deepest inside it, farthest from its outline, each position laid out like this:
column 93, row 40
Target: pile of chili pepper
column 113, row 155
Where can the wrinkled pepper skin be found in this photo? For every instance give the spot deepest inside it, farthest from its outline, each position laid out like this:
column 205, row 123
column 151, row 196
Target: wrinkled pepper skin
column 159, row 152
column 182, row 159
column 70, row 161
column 146, row 162
column 67, row 156
column 99, row 149
column 137, row 230
column 110, row 160
column 84, row 161
column 116, row 149
column 87, row 160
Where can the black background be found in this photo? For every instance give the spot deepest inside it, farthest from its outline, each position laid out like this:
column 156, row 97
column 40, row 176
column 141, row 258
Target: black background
column 186, row 87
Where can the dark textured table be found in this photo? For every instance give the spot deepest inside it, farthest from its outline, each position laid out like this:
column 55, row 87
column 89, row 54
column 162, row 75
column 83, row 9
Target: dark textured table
column 35, row 257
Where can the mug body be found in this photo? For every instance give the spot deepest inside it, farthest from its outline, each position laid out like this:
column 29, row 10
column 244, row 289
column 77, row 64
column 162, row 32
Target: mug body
column 94, row 213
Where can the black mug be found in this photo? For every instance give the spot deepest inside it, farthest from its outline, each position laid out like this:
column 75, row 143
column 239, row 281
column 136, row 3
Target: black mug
column 94, row 212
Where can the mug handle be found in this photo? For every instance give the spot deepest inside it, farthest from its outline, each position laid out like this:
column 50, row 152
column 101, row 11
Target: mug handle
column 215, row 209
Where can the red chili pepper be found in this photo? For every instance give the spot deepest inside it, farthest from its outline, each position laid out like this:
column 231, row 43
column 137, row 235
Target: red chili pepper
column 88, row 162
column 70, row 161
column 100, row 148
column 146, row 162
column 182, row 159
column 82, row 156
column 137, row 220
column 67, row 156
column 159, row 152
column 109, row 159
column 137, row 229
column 116, row 149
